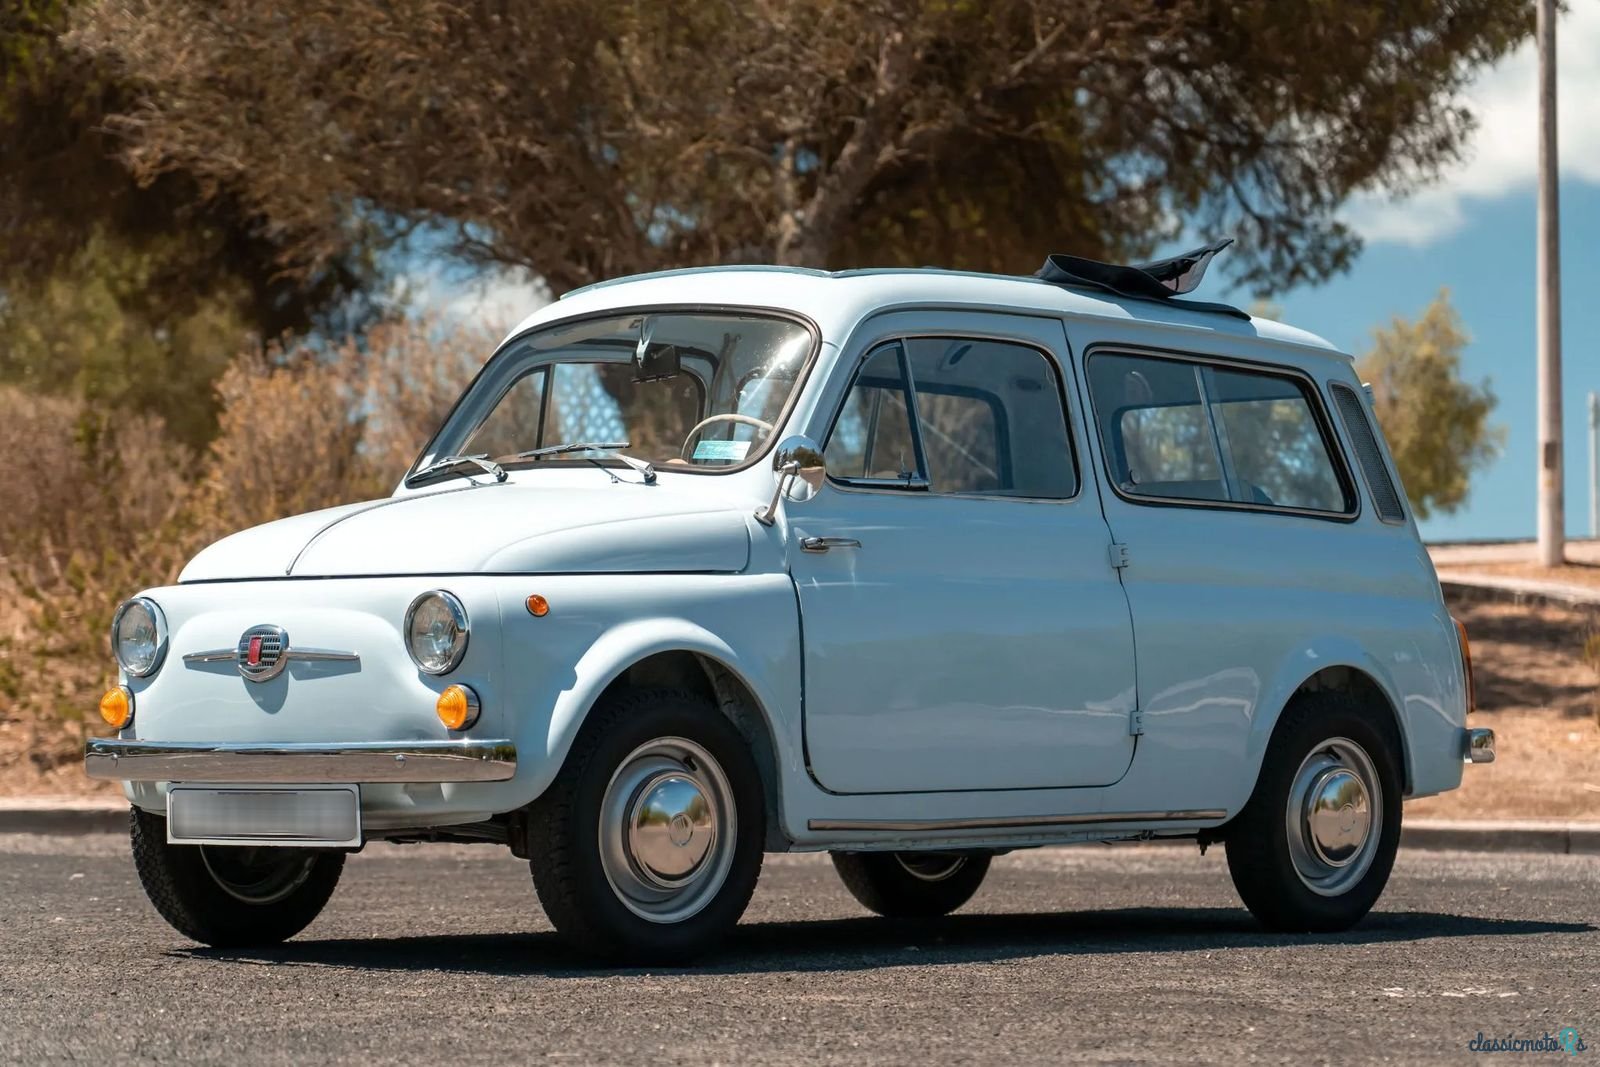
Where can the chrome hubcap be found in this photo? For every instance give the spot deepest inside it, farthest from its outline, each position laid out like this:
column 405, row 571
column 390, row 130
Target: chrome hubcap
column 1334, row 817
column 257, row 875
column 667, row 830
column 931, row 866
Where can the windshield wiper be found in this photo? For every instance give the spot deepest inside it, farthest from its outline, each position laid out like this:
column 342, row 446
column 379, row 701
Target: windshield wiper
column 453, row 464
column 646, row 471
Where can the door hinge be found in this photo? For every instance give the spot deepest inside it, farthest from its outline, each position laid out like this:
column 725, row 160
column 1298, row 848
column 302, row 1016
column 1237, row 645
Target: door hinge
column 1119, row 555
column 1136, row 723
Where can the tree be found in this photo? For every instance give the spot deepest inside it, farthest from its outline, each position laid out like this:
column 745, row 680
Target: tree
column 1437, row 424
column 132, row 292
column 87, row 330
column 586, row 138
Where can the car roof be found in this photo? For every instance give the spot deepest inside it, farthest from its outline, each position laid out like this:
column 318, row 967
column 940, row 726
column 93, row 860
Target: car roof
column 836, row 300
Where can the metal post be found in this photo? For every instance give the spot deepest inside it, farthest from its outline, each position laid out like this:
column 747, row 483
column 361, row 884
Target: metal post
column 1594, row 465
column 1552, row 512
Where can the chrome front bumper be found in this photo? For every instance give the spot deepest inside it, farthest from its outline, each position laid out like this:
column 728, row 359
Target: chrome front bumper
column 1477, row 746
column 300, row 764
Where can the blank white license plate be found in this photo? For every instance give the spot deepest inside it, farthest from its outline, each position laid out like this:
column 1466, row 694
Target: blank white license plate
column 323, row 815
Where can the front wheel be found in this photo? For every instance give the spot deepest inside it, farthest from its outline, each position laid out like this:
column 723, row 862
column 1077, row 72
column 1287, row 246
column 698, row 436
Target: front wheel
column 231, row 896
column 648, row 844
column 911, row 885
column 1313, row 848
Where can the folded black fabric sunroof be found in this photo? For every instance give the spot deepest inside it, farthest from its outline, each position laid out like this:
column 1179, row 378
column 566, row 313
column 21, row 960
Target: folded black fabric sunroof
column 1160, row 281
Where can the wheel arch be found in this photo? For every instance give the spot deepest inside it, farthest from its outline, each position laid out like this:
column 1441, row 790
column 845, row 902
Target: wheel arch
column 681, row 655
column 1352, row 673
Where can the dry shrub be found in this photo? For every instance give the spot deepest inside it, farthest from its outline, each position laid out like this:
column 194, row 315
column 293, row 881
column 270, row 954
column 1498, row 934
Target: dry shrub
column 88, row 517
column 102, row 506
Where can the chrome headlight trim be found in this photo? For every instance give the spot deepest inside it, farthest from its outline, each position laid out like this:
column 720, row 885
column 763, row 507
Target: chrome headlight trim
column 158, row 622
column 458, row 613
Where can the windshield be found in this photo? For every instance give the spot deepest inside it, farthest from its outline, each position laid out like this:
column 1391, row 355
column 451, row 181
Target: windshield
column 683, row 390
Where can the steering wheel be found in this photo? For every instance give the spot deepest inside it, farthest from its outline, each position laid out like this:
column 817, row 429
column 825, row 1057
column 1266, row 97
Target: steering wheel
column 747, row 420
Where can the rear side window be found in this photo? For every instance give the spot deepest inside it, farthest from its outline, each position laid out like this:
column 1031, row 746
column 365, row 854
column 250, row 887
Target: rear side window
column 955, row 416
column 1182, row 430
column 1280, row 456
column 1156, row 428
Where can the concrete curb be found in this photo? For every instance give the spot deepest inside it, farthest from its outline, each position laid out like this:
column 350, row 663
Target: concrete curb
column 1503, row 835
column 71, row 817
column 63, row 816
column 1517, row 590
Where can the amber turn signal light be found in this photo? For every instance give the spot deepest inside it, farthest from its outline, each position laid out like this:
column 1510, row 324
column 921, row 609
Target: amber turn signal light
column 116, row 707
column 1466, row 665
column 457, row 707
column 538, row 606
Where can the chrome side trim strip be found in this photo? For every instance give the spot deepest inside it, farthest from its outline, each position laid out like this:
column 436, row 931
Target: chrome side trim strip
column 225, row 655
column 1015, row 822
column 321, row 654
column 299, row 763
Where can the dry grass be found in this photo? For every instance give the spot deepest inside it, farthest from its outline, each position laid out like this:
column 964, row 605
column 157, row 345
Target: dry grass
column 109, row 505
column 1538, row 693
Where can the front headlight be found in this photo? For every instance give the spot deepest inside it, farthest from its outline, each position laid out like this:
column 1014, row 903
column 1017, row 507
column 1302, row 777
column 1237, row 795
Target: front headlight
column 139, row 636
column 436, row 632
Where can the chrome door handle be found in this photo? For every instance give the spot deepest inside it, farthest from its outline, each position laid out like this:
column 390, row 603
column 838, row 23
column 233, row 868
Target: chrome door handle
column 822, row 544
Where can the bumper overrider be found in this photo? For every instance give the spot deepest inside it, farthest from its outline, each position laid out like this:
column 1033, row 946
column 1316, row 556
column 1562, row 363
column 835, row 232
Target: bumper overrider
column 300, row 763
column 1477, row 745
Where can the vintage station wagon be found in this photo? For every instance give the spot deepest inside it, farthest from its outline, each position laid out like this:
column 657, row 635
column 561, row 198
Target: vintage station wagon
column 916, row 567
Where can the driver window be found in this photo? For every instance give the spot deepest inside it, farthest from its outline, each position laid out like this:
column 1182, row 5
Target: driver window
column 871, row 439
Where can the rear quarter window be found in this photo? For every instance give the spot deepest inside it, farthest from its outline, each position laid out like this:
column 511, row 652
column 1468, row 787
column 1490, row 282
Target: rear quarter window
column 1187, row 430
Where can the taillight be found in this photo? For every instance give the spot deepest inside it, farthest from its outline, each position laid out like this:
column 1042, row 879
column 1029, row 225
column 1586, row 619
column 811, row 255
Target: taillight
column 1466, row 665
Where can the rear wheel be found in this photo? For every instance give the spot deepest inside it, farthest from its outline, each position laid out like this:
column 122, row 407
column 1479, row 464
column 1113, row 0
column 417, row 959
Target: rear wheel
column 233, row 896
column 911, row 885
column 648, row 844
column 1313, row 848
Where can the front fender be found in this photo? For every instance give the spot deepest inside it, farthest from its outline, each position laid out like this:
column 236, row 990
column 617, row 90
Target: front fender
column 748, row 624
column 622, row 647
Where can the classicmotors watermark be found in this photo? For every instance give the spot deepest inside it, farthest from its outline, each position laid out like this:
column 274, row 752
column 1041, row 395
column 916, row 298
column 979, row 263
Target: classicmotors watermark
column 1565, row 1040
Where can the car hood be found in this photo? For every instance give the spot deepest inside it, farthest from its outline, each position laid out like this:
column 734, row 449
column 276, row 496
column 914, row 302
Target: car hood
column 504, row 528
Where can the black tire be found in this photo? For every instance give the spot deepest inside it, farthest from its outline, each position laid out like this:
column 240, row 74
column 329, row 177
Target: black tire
column 1261, row 856
column 587, row 908
column 911, row 885
column 292, row 888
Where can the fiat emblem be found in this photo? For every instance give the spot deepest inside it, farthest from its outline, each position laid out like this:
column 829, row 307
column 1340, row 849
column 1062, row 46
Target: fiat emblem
column 261, row 653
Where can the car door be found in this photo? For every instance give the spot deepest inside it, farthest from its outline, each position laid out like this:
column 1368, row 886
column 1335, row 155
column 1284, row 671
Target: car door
column 964, row 627
column 1226, row 485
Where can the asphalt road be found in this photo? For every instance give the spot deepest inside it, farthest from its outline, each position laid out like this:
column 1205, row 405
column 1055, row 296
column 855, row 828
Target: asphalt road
column 440, row 953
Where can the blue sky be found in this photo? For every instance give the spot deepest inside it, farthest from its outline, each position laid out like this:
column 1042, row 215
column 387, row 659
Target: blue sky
column 1472, row 232
column 1488, row 265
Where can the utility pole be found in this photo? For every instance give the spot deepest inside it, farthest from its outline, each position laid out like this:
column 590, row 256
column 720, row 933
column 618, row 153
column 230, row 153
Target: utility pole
column 1552, row 510
column 1594, row 465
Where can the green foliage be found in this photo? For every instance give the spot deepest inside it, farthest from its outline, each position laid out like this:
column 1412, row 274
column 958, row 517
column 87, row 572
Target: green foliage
column 1437, row 424
column 90, row 330
column 175, row 255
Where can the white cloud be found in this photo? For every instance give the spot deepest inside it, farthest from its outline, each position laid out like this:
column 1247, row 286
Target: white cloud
column 1503, row 155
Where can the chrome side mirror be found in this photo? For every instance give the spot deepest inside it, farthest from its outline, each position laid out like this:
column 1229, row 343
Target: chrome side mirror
column 796, row 458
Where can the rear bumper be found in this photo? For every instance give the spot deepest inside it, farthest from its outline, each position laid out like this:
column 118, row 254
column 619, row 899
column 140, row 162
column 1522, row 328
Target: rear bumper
column 356, row 762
